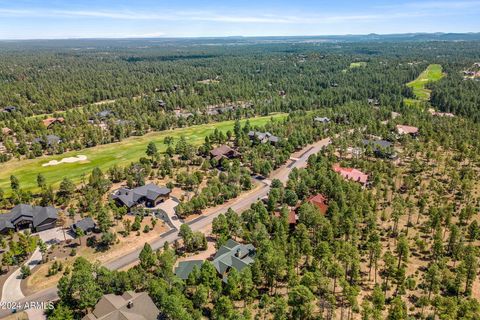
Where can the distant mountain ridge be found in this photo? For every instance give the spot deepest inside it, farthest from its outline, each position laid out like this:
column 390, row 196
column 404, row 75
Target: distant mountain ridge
column 131, row 43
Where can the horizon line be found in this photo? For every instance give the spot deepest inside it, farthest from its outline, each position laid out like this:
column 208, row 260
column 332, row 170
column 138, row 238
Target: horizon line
column 241, row 36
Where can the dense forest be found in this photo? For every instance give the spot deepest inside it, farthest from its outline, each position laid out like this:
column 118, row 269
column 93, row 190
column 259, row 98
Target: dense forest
column 105, row 94
column 405, row 245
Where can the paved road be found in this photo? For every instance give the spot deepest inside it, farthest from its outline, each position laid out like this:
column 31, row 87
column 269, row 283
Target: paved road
column 239, row 205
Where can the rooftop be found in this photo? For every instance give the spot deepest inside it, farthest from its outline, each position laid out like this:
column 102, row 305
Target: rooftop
column 351, row 174
column 378, row 143
column 403, row 129
column 131, row 197
column 184, row 268
column 49, row 121
column 233, row 255
column 36, row 214
column 321, row 119
column 129, row 306
column 320, row 202
column 86, row 224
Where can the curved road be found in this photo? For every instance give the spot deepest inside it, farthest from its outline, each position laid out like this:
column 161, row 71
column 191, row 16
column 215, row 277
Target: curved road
column 239, row 205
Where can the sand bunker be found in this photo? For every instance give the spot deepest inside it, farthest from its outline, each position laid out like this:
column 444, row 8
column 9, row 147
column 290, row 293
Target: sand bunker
column 65, row 160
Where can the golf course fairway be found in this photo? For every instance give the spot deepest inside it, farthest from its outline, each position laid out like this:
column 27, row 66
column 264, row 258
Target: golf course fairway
column 105, row 156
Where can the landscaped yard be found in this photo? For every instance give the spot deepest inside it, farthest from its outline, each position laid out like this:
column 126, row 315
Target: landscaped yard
column 431, row 74
column 40, row 280
column 105, row 156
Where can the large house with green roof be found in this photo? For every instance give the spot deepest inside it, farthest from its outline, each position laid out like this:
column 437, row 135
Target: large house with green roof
column 184, row 268
column 233, row 255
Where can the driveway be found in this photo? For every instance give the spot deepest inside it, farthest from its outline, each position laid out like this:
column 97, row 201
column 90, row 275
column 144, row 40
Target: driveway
column 53, row 236
column 166, row 211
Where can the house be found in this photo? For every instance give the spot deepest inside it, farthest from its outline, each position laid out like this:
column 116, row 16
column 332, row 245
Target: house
column 320, row 202
column 351, row 174
column 162, row 104
column 181, row 114
column 224, row 151
column 263, row 137
column 149, row 195
column 395, row 115
column 402, row 130
column 3, row 149
column 292, row 217
column 373, row 102
column 440, row 114
column 226, row 109
column 9, row 109
column 51, row 121
column 129, row 306
column 443, row 114
column 6, row 131
column 104, row 114
column 321, row 120
column 184, row 268
column 233, row 255
column 48, row 141
column 381, row 148
column 24, row 216
column 87, row 225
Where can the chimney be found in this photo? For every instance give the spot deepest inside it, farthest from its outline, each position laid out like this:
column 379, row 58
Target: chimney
column 130, row 304
column 237, row 254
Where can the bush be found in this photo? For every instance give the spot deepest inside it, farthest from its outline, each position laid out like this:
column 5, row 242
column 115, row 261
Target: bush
column 25, row 271
column 73, row 253
column 55, row 268
column 91, row 241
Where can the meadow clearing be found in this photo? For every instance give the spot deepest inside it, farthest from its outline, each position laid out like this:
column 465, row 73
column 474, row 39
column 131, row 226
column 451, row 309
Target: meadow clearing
column 105, row 156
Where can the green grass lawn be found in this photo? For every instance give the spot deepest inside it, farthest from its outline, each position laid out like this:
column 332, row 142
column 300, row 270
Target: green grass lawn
column 105, row 156
column 353, row 65
column 431, row 74
column 358, row 64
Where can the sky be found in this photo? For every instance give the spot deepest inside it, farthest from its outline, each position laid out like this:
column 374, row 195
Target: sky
column 57, row 19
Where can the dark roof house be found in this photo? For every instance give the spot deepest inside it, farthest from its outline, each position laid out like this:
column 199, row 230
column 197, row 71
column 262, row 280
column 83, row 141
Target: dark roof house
column 378, row 143
column 24, row 216
column 86, row 225
column 129, row 306
column 149, row 194
column 233, row 255
column 104, row 114
column 263, row 137
column 184, row 268
column 9, row 109
column 49, row 140
column 381, row 148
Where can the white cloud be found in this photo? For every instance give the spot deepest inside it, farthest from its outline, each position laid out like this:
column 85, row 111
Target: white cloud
column 433, row 5
column 206, row 16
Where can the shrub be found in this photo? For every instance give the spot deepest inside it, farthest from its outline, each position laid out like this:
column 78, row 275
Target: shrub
column 25, row 271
